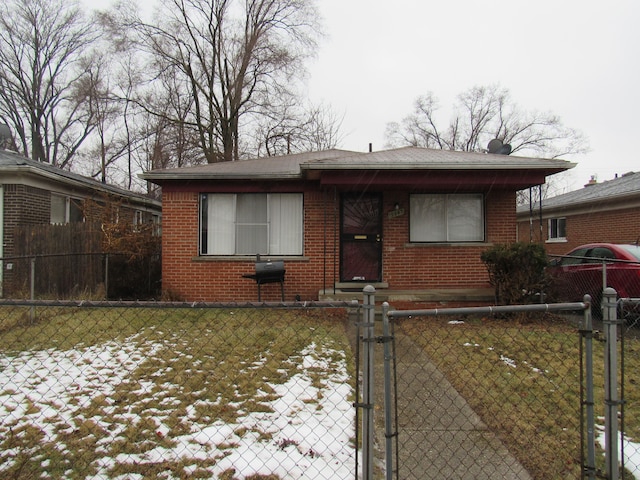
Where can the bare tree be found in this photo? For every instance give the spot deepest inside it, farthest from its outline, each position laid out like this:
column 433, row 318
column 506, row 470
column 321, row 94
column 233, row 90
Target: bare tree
column 480, row 115
column 113, row 148
column 167, row 119
column 294, row 129
column 109, row 141
column 44, row 83
column 230, row 57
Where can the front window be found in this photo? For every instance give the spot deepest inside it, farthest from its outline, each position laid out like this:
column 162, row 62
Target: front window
column 251, row 223
column 557, row 229
column 446, row 218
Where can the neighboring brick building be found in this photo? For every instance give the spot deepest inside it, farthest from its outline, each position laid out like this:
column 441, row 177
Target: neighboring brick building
column 35, row 193
column 412, row 222
column 605, row 212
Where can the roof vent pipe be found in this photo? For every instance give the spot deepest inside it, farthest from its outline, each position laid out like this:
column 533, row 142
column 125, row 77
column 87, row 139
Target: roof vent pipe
column 592, row 181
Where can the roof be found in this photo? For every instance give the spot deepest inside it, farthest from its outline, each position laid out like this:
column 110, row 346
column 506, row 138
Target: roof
column 622, row 189
column 12, row 162
column 281, row 167
column 406, row 158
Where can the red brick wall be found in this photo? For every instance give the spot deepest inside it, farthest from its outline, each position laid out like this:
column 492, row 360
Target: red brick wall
column 405, row 265
column 189, row 277
column 619, row 226
column 434, row 266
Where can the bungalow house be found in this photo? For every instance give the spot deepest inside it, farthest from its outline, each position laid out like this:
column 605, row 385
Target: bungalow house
column 36, row 193
column 412, row 222
column 600, row 212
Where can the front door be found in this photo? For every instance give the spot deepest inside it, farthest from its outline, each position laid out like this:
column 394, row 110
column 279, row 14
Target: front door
column 361, row 237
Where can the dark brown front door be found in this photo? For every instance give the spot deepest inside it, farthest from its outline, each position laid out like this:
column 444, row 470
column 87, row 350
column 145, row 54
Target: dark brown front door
column 361, row 237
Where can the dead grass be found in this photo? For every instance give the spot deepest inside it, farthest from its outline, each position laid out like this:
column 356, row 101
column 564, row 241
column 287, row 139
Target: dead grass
column 218, row 366
column 197, row 367
column 523, row 379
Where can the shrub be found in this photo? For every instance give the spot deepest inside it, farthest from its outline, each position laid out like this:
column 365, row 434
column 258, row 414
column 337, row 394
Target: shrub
column 134, row 260
column 517, row 272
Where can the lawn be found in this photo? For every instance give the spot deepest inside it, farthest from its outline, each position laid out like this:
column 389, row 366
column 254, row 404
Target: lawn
column 175, row 393
column 523, row 379
column 254, row 394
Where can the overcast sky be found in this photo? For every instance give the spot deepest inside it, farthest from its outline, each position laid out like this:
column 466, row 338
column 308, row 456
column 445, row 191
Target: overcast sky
column 579, row 59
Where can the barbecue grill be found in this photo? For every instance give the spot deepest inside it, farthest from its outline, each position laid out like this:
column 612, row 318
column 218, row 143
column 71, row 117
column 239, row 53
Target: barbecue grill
column 268, row 272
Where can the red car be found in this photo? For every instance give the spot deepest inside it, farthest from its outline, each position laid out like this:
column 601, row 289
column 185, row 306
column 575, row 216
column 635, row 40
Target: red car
column 586, row 269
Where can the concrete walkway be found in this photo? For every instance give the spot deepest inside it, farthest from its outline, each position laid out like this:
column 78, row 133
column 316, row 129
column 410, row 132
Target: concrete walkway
column 439, row 435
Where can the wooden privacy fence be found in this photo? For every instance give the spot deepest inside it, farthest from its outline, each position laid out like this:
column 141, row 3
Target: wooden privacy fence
column 65, row 261
column 68, row 260
column 50, row 239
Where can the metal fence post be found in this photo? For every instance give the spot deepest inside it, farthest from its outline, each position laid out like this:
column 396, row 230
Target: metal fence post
column 611, row 400
column 389, row 432
column 368, row 339
column 32, row 310
column 106, row 276
column 589, row 468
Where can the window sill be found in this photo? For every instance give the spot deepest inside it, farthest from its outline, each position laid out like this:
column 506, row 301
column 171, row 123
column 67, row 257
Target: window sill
column 447, row 244
column 248, row 258
column 556, row 240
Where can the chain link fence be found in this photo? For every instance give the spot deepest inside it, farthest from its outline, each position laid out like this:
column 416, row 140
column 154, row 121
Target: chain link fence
column 507, row 395
column 121, row 390
column 81, row 275
column 571, row 277
column 127, row 391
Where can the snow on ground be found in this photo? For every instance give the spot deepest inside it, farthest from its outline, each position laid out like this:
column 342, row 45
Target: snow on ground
column 306, row 433
column 631, row 451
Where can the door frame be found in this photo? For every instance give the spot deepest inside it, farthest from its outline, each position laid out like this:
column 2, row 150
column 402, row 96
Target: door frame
column 371, row 238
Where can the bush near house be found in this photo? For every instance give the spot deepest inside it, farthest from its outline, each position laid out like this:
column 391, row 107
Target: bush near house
column 517, row 272
column 134, row 261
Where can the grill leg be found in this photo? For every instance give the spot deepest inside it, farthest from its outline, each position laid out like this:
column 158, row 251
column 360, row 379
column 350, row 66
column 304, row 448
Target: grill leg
column 281, row 289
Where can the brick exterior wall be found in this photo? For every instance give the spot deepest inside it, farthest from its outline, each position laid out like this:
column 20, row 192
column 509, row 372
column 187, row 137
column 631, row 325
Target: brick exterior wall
column 187, row 276
column 23, row 205
column 437, row 266
column 613, row 226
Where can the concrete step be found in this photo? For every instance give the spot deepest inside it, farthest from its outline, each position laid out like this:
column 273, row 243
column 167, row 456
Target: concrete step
column 471, row 296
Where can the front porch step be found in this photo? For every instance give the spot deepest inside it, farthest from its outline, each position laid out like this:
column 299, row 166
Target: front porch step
column 441, row 297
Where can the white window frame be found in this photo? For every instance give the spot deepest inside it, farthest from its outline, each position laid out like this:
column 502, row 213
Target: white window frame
column 66, row 200
column 157, row 224
column 280, row 225
column 440, row 218
column 554, row 232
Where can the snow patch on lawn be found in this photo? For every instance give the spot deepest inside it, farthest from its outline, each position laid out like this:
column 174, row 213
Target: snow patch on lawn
column 305, row 432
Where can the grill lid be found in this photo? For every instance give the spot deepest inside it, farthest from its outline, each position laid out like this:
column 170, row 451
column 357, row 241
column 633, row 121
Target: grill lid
column 267, row 268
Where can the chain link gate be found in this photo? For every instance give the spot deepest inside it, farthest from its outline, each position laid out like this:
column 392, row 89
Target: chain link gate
column 441, row 435
column 369, row 396
column 161, row 348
